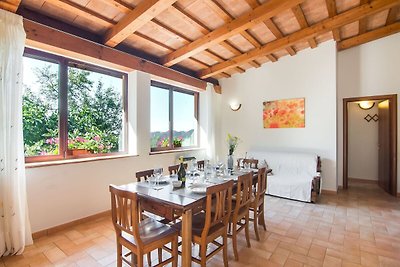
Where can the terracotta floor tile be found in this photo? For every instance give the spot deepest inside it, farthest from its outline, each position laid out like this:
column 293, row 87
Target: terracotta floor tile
column 317, row 252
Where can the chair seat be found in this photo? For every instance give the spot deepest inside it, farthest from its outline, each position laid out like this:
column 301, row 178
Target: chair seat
column 150, row 231
column 198, row 222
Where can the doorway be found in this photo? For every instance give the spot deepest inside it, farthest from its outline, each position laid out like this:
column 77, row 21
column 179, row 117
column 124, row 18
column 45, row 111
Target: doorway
column 387, row 148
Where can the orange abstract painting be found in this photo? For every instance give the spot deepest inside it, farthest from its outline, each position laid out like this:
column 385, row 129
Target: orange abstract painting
column 288, row 113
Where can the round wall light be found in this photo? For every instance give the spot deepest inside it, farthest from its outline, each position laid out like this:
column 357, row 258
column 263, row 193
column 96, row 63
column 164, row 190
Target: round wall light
column 365, row 105
column 235, row 106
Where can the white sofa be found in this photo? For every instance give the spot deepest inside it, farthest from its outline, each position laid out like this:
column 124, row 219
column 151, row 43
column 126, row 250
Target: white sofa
column 293, row 175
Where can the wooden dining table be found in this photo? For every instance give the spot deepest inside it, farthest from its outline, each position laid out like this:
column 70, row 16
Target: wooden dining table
column 167, row 201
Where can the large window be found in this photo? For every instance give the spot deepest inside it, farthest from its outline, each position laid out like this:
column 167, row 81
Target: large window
column 71, row 109
column 173, row 117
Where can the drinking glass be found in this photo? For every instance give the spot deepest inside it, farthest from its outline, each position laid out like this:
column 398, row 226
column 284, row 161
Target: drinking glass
column 157, row 175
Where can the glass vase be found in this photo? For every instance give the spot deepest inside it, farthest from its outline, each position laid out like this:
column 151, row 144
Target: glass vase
column 230, row 162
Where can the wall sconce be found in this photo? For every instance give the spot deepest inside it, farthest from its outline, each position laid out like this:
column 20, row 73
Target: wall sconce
column 365, row 105
column 235, row 106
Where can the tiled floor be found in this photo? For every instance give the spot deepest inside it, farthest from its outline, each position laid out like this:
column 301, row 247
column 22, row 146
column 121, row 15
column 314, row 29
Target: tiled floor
column 358, row 227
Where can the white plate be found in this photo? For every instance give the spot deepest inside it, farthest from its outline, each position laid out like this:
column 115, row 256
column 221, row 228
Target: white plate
column 163, row 179
column 199, row 190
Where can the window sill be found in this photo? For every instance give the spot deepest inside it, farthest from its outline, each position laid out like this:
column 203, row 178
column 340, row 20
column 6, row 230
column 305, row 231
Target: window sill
column 73, row 161
column 176, row 150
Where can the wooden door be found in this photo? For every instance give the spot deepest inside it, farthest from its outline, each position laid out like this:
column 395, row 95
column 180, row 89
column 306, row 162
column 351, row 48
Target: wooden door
column 384, row 146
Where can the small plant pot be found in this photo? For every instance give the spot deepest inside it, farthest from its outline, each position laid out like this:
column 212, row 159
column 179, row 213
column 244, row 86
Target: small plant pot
column 77, row 152
column 178, row 145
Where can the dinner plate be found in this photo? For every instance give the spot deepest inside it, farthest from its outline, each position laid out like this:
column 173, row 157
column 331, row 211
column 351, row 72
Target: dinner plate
column 162, row 180
column 199, row 190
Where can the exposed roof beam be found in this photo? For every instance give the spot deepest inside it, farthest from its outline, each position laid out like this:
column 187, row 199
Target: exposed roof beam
column 144, row 12
column 299, row 14
column 324, row 26
column 332, row 11
column 278, row 34
column 227, row 17
column 362, row 24
column 43, row 37
column 369, row 36
column 391, row 18
column 272, row 58
column 271, row 26
column 81, row 11
column 263, row 12
column 11, row 5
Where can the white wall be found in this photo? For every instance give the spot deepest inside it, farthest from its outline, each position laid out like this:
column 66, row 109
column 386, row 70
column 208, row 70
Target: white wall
column 370, row 69
column 310, row 74
column 63, row 193
column 363, row 143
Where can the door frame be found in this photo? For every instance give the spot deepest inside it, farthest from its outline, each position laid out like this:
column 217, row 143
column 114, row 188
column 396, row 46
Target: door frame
column 392, row 133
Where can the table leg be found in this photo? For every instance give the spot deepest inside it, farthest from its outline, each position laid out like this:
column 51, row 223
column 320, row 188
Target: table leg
column 187, row 238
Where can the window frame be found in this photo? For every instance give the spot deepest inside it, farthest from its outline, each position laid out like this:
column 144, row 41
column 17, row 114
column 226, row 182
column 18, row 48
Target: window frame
column 172, row 88
column 64, row 63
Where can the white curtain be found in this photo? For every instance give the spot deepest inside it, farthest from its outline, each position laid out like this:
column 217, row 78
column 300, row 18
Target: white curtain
column 211, row 120
column 15, row 230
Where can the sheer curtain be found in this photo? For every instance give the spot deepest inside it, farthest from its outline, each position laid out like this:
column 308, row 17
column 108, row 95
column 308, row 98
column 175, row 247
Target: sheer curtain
column 15, row 230
column 211, row 122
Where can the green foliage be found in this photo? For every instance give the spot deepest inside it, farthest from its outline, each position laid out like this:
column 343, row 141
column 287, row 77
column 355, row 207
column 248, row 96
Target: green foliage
column 94, row 114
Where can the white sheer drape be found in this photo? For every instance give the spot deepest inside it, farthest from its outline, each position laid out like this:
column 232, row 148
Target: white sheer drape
column 211, row 127
column 15, row 230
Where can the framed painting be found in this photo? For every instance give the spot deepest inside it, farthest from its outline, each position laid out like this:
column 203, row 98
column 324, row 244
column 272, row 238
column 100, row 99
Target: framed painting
column 286, row 113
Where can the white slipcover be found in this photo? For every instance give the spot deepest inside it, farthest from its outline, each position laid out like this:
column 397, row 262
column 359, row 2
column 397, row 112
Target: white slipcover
column 292, row 173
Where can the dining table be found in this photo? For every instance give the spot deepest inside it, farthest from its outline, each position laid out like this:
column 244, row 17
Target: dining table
column 166, row 201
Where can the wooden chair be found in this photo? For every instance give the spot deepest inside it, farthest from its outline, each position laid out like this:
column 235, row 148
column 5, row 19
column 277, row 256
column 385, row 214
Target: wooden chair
column 143, row 176
column 241, row 202
column 212, row 223
column 253, row 163
column 257, row 206
column 200, row 164
column 174, row 168
column 140, row 237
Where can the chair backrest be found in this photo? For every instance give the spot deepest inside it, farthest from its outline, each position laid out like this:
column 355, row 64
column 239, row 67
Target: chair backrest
column 142, row 176
column 253, row 162
column 125, row 213
column 200, row 164
column 174, row 168
column 244, row 191
column 218, row 205
column 261, row 186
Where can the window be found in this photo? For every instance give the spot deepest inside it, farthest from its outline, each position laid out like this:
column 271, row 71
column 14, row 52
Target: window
column 173, row 117
column 71, row 109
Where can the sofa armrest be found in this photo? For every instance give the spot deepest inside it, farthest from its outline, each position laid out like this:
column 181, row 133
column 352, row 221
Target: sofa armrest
column 316, row 188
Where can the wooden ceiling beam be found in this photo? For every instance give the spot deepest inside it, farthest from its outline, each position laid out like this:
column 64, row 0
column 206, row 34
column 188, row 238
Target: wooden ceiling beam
column 261, row 13
column 272, row 58
column 324, row 26
column 301, row 19
column 278, row 34
column 11, row 6
column 122, row 6
column 391, row 18
column 49, row 39
column 254, row 64
column 369, row 36
column 362, row 24
column 144, row 12
column 271, row 26
column 82, row 11
column 332, row 11
column 227, row 17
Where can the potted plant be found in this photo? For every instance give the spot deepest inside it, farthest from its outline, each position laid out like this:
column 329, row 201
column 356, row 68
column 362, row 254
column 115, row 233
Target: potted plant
column 77, row 146
column 177, row 142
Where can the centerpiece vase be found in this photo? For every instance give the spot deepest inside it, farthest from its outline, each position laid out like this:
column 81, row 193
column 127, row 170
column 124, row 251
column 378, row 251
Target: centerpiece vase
column 230, row 161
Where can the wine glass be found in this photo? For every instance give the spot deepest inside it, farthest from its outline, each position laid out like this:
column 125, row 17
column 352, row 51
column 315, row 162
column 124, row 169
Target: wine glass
column 157, row 175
